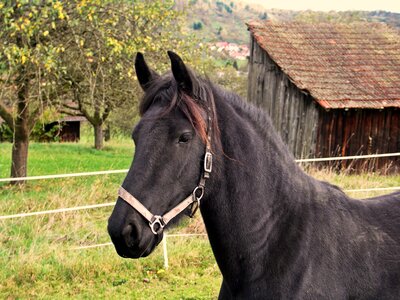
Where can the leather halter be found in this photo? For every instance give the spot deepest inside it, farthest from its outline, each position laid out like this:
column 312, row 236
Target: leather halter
column 157, row 222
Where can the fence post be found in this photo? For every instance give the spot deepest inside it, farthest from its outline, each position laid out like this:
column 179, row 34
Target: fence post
column 165, row 251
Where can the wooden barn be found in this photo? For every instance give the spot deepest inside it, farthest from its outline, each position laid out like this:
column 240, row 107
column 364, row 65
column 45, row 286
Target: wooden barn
column 71, row 128
column 331, row 89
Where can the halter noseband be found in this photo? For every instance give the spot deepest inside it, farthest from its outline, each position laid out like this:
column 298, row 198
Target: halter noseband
column 157, row 222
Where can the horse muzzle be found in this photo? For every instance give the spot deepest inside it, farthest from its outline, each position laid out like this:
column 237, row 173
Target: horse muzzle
column 132, row 238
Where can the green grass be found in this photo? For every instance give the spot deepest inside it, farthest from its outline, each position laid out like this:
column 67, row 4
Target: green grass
column 57, row 271
column 56, row 158
column 358, row 181
column 37, row 255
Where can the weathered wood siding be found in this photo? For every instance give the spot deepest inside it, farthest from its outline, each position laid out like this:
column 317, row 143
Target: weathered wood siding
column 70, row 132
column 293, row 112
column 311, row 131
column 360, row 131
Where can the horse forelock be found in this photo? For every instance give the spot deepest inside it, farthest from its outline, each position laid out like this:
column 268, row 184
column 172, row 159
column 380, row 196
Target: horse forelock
column 196, row 106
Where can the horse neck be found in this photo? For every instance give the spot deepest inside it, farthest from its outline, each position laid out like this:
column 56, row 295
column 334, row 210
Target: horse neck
column 254, row 198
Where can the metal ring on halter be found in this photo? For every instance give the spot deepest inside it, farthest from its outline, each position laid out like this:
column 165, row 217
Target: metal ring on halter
column 157, row 220
column 196, row 200
column 195, row 197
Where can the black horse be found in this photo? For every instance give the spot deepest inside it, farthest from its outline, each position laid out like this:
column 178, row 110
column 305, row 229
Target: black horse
column 276, row 233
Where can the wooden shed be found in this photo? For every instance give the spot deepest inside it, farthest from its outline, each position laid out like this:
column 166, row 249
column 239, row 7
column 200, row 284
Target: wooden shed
column 68, row 130
column 331, row 89
column 71, row 128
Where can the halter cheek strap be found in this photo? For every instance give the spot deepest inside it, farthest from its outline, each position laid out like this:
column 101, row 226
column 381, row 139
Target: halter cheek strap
column 156, row 222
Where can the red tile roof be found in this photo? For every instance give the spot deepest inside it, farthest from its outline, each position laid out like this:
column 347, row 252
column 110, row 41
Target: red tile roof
column 341, row 65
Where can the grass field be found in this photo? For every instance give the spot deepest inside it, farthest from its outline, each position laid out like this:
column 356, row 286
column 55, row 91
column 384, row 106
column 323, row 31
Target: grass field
column 37, row 254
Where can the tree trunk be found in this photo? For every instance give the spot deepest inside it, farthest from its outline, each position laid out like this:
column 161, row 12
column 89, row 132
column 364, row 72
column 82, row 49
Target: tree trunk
column 21, row 132
column 19, row 159
column 107, row 133
column 98, row 136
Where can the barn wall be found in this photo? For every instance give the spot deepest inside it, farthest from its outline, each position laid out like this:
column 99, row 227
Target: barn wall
column 294, row 113
column 360, row 131
column 70, row 132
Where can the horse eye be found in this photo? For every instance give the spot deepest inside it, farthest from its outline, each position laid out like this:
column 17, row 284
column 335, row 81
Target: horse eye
column 185, row 137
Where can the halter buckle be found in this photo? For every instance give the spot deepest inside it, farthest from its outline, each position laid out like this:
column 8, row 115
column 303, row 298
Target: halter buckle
column 208, row 162
column 157, row 220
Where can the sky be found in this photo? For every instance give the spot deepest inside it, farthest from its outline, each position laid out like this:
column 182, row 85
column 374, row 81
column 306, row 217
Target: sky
column 326, row 5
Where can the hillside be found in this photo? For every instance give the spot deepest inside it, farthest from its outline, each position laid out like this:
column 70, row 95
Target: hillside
column 214, row 21
column 392, row 19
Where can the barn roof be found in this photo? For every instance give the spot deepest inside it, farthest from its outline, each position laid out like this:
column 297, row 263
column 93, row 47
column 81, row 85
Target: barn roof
column 73, row 119
column 341, row 65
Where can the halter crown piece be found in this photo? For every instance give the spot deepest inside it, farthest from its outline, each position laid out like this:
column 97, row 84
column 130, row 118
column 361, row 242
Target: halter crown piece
column 156, row 222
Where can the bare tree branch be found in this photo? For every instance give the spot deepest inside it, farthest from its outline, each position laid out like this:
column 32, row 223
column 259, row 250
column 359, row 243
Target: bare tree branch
column 35, row 115
column 7, row 116
column 106, row 113
column 70, row 107
column 69, row 113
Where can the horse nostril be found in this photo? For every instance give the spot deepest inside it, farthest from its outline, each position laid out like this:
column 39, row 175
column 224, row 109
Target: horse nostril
column 131, row 235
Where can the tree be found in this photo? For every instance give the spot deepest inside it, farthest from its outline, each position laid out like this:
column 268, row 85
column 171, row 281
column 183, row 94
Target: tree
column 54, row 52
column 235, row 65
column 197, row 25
column 100, row 78
column 105, row 38
column 263, row 16
column 28, row 66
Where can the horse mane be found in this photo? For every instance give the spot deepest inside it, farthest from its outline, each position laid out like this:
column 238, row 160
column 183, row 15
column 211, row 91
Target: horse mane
column 196, row 106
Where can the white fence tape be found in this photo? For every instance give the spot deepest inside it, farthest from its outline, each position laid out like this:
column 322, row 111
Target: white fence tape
column 61, row 210
column 374, row 189
column 186, row 234
column 164, row 244
column 165, row 236
column 54, row 211
column 126, row 170
column 348, row 157
column 64, row 175
column 91, row 246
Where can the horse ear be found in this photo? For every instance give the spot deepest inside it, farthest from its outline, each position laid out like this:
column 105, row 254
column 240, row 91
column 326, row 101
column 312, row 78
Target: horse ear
column 181, row 73
column 144, row 74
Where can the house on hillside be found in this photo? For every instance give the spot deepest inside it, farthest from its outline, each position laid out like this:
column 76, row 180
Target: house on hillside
column 331, row 89
column 233, row 50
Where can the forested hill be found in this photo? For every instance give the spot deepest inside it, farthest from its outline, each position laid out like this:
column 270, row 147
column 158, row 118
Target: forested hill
column 222, row 20
column 225, row 20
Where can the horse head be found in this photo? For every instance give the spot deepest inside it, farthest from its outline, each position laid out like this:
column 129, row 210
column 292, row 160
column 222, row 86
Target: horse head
column 172, row 158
